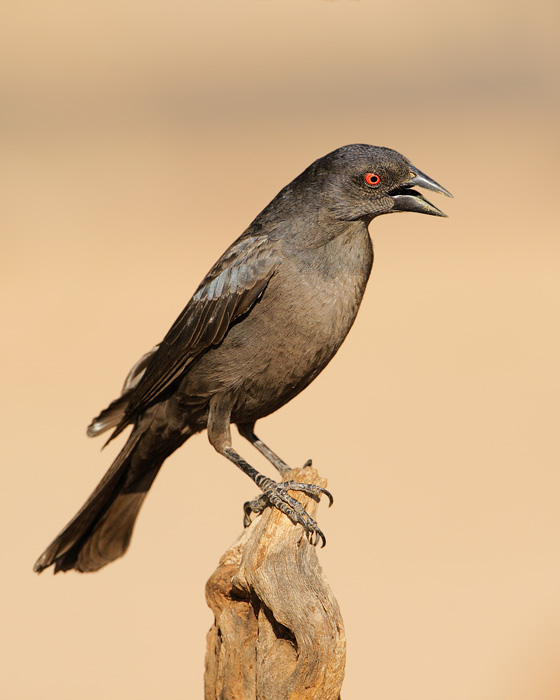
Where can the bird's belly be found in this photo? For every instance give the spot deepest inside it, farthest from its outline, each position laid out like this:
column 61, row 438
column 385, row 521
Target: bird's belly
column 289, row 360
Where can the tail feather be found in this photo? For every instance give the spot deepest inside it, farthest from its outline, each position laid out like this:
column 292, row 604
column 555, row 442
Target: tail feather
column 109, row 539
column 101, row 531
column 111, row 416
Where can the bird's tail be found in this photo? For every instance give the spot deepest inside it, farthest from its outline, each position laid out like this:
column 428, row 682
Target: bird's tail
column 100, row 532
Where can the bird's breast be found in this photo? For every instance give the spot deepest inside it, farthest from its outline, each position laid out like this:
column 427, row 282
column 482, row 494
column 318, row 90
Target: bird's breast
column 293, row 331
column 302, row 319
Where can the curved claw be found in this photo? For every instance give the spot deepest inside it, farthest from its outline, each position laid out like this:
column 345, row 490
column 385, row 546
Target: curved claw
column 247, row 510
column 319, row 535
column 309, row 489
column 257, row 505
column 276, row 495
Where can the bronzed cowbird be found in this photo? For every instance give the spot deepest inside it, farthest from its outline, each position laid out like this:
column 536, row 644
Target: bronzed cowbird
column 263, row 323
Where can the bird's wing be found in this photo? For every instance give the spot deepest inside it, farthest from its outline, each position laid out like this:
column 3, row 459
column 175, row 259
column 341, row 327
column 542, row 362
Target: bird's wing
column 228, row 291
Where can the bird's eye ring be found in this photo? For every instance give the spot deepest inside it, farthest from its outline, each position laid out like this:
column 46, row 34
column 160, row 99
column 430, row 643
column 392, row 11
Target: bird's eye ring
column 372, row 179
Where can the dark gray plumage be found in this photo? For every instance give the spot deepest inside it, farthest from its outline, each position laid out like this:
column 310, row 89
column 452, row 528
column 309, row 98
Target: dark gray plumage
column 263, row 323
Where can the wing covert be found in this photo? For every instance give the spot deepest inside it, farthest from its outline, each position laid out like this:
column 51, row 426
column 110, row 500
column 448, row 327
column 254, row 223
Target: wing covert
column 228, row 291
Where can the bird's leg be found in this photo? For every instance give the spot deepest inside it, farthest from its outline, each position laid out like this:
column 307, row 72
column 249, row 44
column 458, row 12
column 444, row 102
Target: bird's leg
column 274, row 493
column 247, row 430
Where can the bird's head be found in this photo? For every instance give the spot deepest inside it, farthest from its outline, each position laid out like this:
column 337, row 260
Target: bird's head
column 361, row 182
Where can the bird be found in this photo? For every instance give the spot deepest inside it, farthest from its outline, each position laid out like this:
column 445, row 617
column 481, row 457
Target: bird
column 263, row 323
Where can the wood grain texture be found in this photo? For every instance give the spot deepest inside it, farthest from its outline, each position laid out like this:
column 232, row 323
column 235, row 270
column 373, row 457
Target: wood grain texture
column 278, row 632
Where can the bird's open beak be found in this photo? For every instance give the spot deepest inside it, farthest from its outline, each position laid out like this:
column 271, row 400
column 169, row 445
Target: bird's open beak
column 407, row 199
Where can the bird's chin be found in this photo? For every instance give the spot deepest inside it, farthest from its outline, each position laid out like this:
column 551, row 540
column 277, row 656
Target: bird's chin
column 407, row 199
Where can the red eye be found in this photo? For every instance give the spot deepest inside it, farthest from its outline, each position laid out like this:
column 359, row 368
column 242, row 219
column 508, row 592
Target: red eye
column 372, row 179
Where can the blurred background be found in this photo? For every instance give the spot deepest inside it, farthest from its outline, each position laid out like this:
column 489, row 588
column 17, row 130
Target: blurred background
column 138, row 140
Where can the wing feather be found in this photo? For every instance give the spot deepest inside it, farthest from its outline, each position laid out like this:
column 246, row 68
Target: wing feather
column 228, row 291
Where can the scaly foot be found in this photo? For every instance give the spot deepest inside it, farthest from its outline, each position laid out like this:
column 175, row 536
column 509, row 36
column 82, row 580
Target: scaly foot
column 276, row 494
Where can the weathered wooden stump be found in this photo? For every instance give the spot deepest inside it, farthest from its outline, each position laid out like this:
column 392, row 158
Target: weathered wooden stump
column 278, row 632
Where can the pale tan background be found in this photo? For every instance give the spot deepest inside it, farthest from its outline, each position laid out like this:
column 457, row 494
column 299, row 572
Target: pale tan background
column 138, row 140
